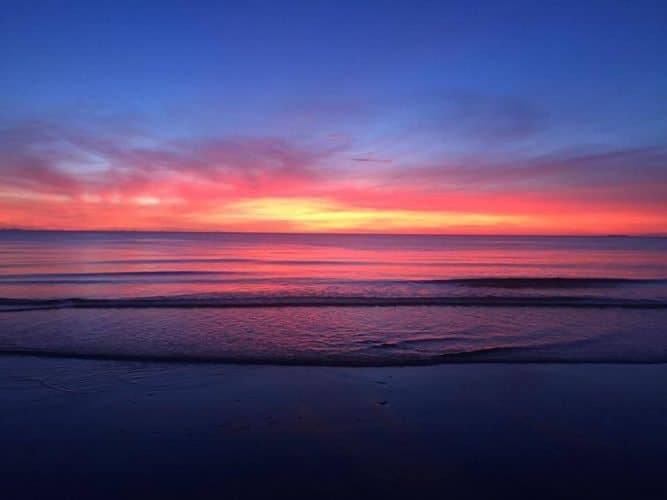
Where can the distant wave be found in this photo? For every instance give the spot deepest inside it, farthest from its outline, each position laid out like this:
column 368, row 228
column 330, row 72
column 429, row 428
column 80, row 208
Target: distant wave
column 121, row 274
column 115, row 277
column 534, row 282
column 14, row 305
column 298, row 262
column 290, row 263
column 219, row 276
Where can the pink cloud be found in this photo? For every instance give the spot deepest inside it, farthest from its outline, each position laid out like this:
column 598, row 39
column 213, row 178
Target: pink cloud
column 54, row 176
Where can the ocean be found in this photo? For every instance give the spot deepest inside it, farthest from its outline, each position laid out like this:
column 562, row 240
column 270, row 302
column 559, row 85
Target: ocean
column 331, row 299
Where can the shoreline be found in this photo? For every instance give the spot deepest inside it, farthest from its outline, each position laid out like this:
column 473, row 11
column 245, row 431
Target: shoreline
column 93, row 428
column 462, row 358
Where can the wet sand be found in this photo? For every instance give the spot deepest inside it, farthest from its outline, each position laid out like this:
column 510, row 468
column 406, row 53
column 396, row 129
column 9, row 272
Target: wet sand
column 109, row 429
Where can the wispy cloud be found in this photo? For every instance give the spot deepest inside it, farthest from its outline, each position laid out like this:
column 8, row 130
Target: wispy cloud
column 56, row 175
column 487, row 118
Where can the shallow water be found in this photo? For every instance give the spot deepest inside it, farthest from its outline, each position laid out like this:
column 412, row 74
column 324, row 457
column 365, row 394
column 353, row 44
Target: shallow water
column 333, row 299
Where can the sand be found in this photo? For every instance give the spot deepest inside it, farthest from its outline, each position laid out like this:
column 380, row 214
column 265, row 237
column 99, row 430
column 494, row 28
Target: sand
column 107, row 429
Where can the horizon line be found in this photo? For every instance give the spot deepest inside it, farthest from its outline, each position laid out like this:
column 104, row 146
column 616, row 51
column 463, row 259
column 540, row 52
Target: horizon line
column 340, row 233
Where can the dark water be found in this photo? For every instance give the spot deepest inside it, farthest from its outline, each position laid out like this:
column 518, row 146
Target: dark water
column 333, row 299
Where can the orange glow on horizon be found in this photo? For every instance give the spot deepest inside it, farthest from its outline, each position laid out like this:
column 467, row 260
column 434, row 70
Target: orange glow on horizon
column 310, row 214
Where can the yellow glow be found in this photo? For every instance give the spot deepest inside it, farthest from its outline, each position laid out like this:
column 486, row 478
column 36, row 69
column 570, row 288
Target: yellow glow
column 313, row 214
column 147, row 200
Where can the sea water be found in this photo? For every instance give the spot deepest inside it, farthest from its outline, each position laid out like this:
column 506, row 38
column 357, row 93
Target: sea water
column 333, row 299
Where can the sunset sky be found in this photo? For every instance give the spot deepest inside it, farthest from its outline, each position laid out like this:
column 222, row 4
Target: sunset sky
column 406, row 117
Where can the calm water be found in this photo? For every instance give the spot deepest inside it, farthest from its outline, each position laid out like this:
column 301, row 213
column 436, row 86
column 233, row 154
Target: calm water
column 317, row 298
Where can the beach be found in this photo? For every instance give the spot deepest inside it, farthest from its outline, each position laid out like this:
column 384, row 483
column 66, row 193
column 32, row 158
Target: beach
column 75, row 428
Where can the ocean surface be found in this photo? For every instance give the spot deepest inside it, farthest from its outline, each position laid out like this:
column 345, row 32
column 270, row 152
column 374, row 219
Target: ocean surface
column 333, row 299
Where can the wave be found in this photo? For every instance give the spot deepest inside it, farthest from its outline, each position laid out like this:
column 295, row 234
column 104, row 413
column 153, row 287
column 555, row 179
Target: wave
column 16, row 305
column 212, row 277
column 548, row 282
column 481, row 355
column 123, row 277
column 417, row 341
column 120, row 274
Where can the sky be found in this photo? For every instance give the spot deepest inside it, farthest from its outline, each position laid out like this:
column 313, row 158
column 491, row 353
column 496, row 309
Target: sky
column 376, row 116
